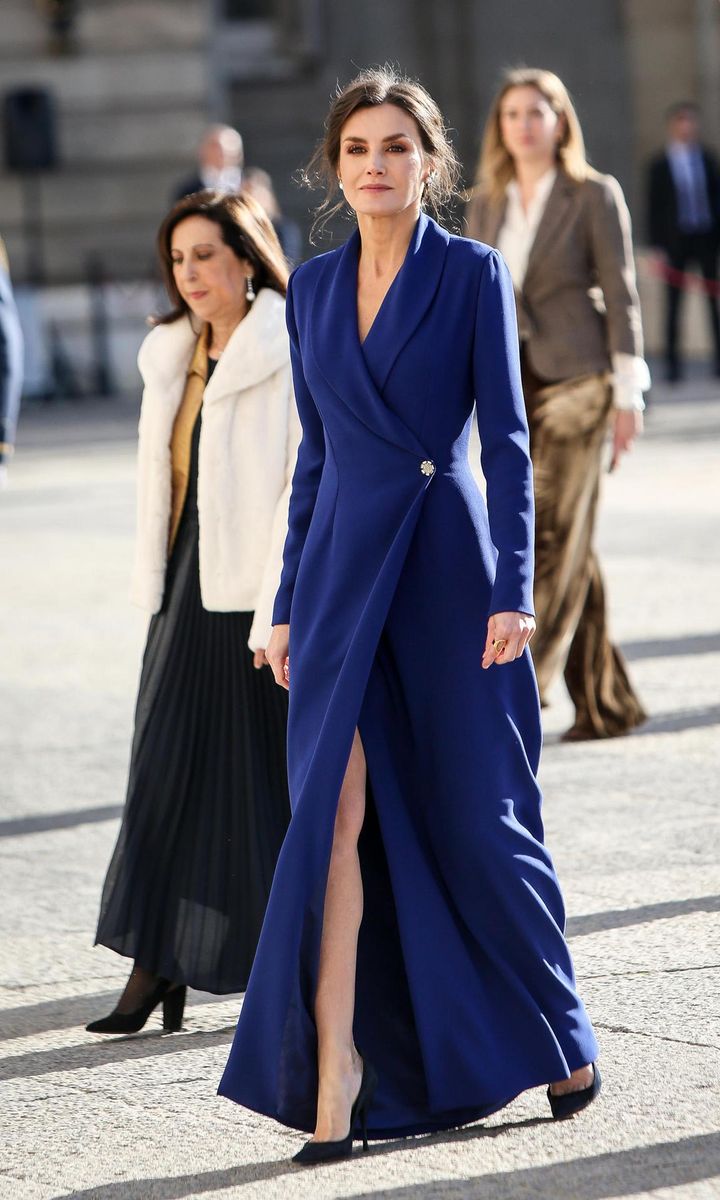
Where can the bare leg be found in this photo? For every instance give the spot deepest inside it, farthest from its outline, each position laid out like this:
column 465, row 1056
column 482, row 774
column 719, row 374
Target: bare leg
column 339, row 1064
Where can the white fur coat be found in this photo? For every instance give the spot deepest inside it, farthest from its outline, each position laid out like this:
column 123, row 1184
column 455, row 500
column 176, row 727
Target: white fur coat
column 248, row 445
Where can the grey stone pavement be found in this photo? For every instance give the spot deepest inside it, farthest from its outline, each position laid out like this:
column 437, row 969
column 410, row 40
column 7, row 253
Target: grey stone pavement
column 633, row 824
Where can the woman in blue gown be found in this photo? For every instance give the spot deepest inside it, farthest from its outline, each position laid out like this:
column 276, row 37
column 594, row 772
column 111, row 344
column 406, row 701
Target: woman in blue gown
column 415, row 912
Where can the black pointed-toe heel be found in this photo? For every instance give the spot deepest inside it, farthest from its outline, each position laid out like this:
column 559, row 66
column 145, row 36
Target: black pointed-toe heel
column 173, row 1002
column 570, row 1103
column 321, row 1152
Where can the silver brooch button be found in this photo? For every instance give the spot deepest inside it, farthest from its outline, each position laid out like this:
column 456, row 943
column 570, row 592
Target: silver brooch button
column 427, row 466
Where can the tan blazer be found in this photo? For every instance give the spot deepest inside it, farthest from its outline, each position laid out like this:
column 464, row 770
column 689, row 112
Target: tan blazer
column 579, row 303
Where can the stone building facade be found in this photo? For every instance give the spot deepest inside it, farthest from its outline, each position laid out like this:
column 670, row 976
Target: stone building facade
column 139, row 79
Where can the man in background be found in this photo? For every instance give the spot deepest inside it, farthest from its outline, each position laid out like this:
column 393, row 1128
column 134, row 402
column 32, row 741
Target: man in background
column 684, row 222
column 220, row 163
column 11, row 367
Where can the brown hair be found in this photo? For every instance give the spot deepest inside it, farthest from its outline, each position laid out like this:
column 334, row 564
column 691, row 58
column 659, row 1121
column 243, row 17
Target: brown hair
column 495, row 166
column 372, row 87
column 245, row 228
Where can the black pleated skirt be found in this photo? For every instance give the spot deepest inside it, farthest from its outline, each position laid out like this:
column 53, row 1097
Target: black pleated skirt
column 207, row 804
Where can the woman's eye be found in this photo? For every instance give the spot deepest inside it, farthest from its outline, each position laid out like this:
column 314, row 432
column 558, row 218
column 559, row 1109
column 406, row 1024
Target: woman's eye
column 397, row 146
column 355, row 149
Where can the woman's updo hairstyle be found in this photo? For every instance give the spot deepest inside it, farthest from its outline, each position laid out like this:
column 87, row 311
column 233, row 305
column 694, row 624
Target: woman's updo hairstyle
column 369, row 89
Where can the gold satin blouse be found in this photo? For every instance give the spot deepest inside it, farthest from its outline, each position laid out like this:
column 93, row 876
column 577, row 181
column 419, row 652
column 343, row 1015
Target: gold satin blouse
column 181, row 439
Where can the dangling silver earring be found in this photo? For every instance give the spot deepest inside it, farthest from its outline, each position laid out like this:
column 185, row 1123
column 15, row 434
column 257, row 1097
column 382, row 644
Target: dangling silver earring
column 250, row 290
column 340, row 185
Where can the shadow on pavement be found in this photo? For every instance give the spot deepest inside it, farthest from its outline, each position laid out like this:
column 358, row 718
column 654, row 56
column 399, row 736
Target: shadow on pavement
column 700, row 643
column 60, row 820
column 623, row 1173
column 620, row 918
column 668, row 722
column 674, row 722
column 30, row 1019
column 147, row 1044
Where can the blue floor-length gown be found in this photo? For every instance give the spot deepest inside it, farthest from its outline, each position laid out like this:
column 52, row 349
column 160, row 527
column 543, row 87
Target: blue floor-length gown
column 465, row 990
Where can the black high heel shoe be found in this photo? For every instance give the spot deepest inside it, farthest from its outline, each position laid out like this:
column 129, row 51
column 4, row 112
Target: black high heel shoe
column 320, row 1152
column 173, row 1002
column 569, row 1103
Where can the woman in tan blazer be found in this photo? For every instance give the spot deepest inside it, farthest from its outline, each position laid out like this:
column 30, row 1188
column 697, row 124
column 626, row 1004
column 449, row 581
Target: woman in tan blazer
column 565, row 232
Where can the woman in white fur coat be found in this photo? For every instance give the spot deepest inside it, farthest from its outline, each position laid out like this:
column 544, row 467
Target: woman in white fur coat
column 207, row 804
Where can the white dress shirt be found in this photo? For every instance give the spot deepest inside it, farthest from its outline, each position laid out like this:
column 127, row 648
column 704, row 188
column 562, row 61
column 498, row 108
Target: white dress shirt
column 631, row 376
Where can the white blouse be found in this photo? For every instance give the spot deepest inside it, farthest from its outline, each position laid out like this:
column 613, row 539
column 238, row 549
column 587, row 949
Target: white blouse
column 631, row 376
column 519, row 227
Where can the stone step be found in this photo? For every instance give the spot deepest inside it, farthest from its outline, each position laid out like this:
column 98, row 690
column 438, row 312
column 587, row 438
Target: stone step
column 134, row 79
column 108, row 26
column 70, row 198
column 124, row 246
column 112, row 137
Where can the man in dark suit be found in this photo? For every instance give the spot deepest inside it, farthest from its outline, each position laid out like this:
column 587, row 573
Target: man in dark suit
column 11, row 367
column 220, row 163
column 684, row 220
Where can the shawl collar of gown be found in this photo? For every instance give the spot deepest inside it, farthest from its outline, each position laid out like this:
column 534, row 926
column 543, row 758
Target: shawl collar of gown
column 357, row 372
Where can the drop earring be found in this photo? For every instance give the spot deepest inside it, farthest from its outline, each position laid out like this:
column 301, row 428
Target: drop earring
column 250, row 290
column 340, row 185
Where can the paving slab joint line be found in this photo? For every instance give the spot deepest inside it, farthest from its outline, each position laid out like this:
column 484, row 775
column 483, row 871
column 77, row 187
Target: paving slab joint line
column 652, row 971
column 660, row 1037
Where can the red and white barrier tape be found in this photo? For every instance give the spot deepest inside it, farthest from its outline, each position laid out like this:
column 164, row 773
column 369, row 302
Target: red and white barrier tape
column 687, row 281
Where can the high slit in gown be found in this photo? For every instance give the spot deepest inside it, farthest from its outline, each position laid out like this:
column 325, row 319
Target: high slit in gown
column 465, row 991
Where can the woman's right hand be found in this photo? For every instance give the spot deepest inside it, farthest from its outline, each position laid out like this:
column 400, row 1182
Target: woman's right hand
column 277, row 654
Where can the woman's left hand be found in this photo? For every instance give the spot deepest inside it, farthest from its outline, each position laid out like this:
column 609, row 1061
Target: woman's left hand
column 628, row 425
column 259, row 660
column 508, row 635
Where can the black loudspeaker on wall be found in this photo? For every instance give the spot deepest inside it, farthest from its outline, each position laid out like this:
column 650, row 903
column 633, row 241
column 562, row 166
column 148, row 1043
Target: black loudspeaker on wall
column 30, row 130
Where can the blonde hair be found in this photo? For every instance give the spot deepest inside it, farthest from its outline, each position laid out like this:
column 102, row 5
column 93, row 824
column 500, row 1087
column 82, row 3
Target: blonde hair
column 495, row 166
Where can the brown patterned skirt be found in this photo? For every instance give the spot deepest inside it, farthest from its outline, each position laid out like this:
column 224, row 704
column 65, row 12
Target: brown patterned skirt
column 568, row 427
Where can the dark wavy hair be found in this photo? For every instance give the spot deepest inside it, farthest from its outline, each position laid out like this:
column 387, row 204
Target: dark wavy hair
column 372, row 87
column 245, row 228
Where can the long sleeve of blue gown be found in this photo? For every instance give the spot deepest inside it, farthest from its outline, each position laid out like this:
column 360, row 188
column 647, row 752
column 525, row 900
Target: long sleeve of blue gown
column 306, row 479
column 502, row 425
